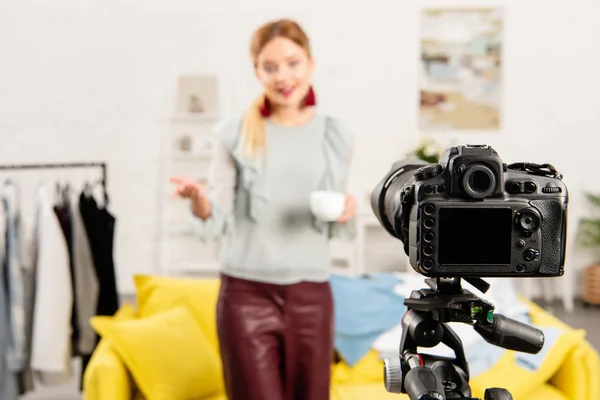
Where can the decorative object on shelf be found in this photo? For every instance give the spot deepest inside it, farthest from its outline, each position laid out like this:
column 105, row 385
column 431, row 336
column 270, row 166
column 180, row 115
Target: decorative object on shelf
column 197, row 94
column 588, row 237
column 185, row 143
column 196, row 106
column 461, row 62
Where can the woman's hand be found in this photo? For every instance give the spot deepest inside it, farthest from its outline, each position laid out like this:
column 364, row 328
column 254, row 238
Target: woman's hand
column 349, row 209
column 187, row 188
column 190, row 189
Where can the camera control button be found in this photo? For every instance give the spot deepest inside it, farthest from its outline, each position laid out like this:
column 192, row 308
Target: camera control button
column 513, row 187
column 428, row 251
column 530, row 187
column 429, row 209
column 427, row 263
column 530, row 254
column 520, row 244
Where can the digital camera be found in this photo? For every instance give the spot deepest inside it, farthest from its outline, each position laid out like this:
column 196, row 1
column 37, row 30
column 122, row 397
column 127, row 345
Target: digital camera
column 472, row 215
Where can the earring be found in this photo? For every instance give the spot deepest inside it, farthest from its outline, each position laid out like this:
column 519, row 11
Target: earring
column 265, row 108
column 310, row 99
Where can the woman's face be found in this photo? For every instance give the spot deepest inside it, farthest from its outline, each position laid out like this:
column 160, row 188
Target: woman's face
column 284, row 68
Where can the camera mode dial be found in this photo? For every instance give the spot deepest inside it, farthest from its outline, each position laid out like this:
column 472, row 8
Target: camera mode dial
column 428, row 172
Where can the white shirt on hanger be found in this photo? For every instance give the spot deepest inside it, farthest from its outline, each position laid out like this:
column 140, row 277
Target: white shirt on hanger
column 51, row 341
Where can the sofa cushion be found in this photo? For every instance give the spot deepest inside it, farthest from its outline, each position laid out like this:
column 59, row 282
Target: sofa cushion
column 167, row 354
column 105, row 376
column 546, row 392
column 578, row 375
column 156, row 294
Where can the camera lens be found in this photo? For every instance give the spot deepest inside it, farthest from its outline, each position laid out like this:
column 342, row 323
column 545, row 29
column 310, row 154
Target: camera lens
column 389, row 194
column 479, row 181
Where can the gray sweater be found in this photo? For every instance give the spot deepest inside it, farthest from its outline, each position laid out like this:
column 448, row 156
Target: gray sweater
column 261, row 210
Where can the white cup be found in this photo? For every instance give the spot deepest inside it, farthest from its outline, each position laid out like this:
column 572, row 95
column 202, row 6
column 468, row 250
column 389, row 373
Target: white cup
column 327, row 205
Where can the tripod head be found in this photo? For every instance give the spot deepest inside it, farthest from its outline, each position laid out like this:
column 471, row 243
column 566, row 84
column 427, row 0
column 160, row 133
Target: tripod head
column 428, row 377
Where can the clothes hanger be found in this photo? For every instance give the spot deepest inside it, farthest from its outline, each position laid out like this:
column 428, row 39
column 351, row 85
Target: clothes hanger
column 57, row 194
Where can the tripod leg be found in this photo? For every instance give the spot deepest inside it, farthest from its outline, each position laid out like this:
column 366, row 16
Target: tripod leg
column 497, row 394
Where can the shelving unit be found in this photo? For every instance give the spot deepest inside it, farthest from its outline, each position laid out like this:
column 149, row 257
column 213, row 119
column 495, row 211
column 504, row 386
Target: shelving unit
column 187, row 151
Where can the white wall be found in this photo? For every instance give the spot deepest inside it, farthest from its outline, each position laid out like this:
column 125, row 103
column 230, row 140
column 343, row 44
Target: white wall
column 94, row 80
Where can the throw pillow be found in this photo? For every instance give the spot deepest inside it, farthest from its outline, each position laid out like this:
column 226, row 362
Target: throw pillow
column 166, row 353
column 156, row 294
column 106, row 375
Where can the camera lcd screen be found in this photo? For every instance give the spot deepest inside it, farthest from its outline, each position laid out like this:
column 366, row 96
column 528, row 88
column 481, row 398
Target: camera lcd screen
column 475, row 236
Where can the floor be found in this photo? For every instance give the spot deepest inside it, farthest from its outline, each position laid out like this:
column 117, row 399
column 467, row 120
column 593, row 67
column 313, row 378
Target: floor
column 66, row 392
column 583, row 318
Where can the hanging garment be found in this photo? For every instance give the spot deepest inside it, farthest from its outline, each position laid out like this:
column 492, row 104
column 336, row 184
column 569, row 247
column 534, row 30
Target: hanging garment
column 14, row 271
column 86, row 280
column 8, row 380
column 62, row 209
column 51, row 335
column 27, row 257
column 100, row 226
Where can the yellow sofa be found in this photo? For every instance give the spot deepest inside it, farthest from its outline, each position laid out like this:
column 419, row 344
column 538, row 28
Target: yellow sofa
column 166, row 348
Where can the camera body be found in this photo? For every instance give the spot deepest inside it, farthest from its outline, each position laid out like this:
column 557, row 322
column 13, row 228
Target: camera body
column 471, row 215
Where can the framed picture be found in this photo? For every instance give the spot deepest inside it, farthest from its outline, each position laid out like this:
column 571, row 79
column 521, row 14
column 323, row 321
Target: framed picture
column 197, row 94
column 460, row 69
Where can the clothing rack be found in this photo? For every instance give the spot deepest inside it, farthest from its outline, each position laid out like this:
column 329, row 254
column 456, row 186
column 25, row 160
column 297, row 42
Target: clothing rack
column 92, row 164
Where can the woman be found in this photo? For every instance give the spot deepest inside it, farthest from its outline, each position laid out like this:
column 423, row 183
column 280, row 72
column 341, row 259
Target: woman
column 275, row 310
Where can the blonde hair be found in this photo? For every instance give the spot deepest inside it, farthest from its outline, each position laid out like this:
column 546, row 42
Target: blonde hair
column 253, row 125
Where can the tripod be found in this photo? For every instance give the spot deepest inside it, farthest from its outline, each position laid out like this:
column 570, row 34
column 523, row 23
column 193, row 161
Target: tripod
column 428, row 377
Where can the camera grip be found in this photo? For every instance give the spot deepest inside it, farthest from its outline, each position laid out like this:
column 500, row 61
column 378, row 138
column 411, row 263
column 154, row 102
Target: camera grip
column 553, row 235
column 512, row 335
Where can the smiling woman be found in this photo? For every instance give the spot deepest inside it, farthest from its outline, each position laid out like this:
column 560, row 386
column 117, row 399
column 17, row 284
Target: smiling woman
column 276, row 193
column 283, row 63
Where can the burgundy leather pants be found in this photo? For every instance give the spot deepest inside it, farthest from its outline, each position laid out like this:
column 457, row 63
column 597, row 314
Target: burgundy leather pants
column 276, row 340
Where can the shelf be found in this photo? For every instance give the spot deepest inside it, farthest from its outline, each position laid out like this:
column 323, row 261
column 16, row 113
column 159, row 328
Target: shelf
column 188, row 150
column 192, row 157
column 194, row 118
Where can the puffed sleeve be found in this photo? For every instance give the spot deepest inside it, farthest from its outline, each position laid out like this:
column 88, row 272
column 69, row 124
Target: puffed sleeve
column 340, row 148
column 220, row 187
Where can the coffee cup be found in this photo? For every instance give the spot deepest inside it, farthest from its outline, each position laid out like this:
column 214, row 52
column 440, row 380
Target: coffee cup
column 327, row 205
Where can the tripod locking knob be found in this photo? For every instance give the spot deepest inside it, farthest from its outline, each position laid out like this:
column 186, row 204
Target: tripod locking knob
column 392, row 375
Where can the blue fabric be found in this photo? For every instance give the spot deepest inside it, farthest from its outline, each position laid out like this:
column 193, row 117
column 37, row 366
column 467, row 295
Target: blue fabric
column 365, row 308
column 533, row 361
